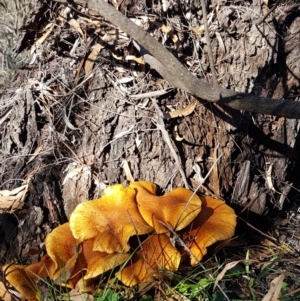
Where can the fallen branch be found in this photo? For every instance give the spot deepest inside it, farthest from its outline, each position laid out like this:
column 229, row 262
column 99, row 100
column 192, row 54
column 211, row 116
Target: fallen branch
column 176, row 74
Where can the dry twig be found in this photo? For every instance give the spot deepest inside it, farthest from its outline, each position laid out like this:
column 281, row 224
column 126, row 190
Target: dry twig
column 268, row 13
column 210, row 56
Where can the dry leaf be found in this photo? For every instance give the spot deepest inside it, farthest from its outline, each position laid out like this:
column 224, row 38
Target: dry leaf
column 47, row 31
column 198, row 30
column 227, row 267
column 121, row 134
column 35, row 153
column 76, row 25
column 189, row 109
column 141, row 21
column 169, row 31
column 274, row 291
column 45, row 103
column 138, row 141
column 221, row 43
column 11, row 200
column 94, row 22
column 139, row 60
column 63, row 15
column 89, row 64
column 269, row 178
column 176, row 134
column 126, row 80
column 165, row 5
column 150, row 94
column 117, row 57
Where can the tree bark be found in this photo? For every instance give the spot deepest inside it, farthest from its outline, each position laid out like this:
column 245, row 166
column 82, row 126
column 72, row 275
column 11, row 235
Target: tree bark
column 176, row 74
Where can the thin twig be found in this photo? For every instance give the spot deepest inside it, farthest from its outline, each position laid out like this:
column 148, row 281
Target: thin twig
column 161, row 126
column 209, row 51
column 268, row 13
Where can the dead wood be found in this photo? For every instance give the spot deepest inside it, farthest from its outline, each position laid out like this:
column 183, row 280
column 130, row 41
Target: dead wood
column 174, row 72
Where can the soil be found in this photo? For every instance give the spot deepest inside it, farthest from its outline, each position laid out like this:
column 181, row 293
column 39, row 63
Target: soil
column 65, row 135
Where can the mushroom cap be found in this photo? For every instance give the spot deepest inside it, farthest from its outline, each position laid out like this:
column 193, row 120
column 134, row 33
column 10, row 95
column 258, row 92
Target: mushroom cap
column 100, row 262
column 41, row 269
column 24, row 283
column 62, row 249
column 91, row 264
column 215, row 222
column 24, row 278
column 176, row 209
column 110, row 220
column 156, row 253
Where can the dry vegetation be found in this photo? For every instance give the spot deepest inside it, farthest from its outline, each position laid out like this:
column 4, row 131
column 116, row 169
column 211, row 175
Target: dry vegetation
column 85, row 112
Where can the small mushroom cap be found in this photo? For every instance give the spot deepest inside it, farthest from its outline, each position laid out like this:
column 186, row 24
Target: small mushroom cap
column 100, row 262
column 156, row 253
column 62, row 248
column 110, row 220
column 41, row 269
column 91, row 264
column 215, row 222
column 25, row 284
column 24, row 278
column 176, row 209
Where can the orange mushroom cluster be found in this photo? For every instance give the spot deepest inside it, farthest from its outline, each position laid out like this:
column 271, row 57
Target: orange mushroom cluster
column 130, row 227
